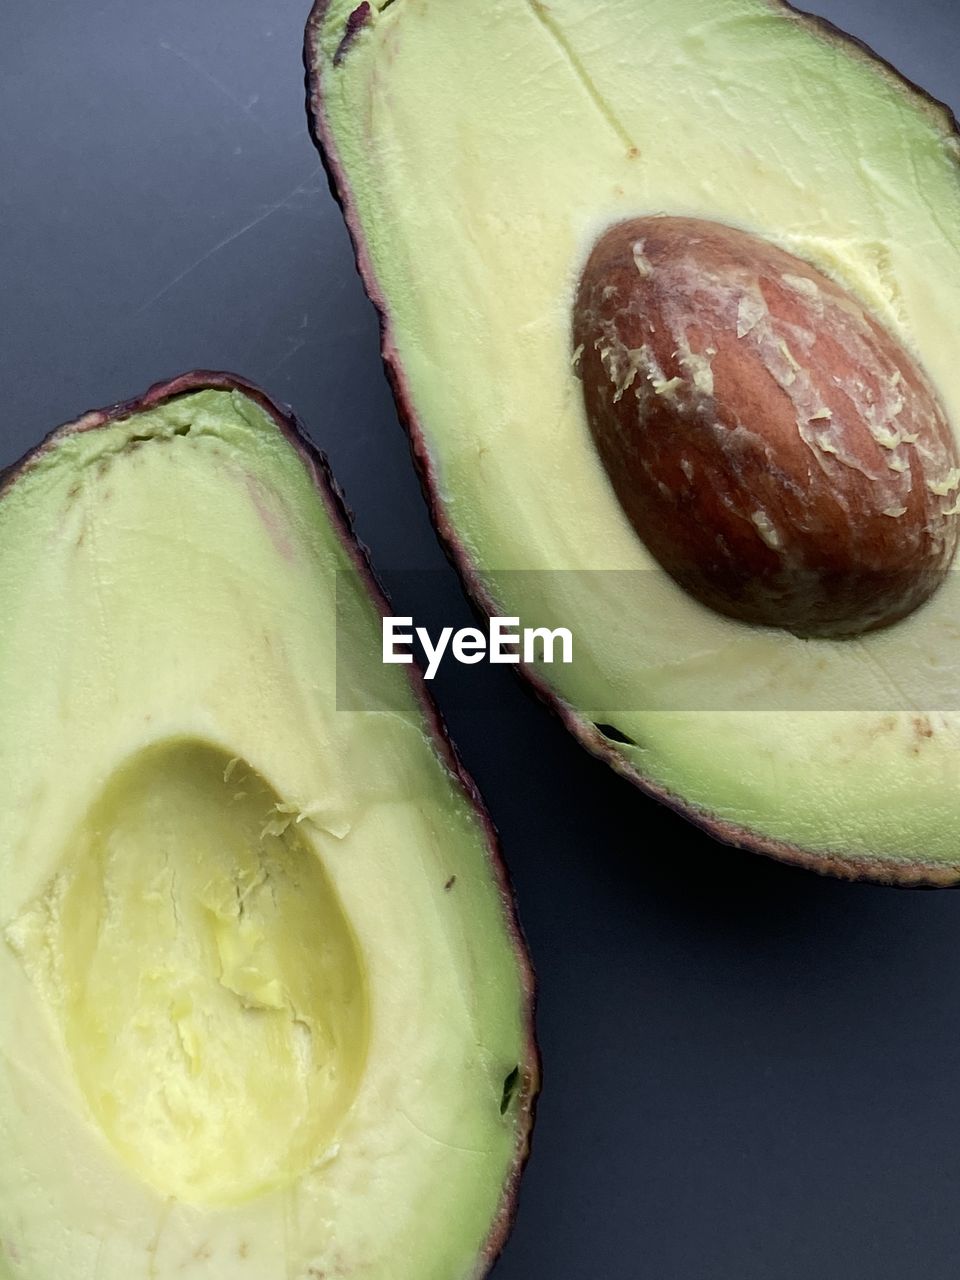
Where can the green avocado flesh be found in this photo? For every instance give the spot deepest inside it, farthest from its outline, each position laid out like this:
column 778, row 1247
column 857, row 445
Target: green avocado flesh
column 481, row 147
column 265, row 1013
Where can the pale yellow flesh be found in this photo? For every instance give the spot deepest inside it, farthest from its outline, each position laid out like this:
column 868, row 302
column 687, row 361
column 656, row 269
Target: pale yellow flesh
column 484, row 144
column 248, row 1026
column 212, row 998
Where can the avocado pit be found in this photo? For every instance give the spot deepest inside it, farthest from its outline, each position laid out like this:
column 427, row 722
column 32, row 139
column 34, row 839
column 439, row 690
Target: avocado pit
column 781, row 454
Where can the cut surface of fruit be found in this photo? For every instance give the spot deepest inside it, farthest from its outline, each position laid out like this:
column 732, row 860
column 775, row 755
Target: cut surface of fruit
column 481, row 150
column 263, row 985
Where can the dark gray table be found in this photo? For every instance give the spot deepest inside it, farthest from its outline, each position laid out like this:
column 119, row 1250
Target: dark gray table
column 751, row 1074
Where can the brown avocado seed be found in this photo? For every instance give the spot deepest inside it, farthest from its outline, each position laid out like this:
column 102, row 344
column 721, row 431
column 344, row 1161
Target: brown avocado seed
column 779, row 452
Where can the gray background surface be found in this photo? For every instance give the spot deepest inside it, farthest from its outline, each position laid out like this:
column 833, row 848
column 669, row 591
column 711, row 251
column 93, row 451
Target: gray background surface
column 750, row 1073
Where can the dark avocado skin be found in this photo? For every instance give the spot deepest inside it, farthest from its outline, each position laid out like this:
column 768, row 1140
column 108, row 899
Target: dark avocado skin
column 528, row 1085
column 914, row 873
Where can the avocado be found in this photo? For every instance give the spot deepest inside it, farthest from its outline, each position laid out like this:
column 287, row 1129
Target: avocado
column 667, row 293
column 266, row 1011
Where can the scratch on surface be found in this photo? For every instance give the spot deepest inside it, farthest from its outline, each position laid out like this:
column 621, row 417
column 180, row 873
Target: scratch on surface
column 449, row 1146
column 28, row 1071
column 553, row 29
column 291, row 351
column 153, row 1248
column 290, row 1208
column 300, row 189
column 91, row 502
column 245, row 107
column 907, row 703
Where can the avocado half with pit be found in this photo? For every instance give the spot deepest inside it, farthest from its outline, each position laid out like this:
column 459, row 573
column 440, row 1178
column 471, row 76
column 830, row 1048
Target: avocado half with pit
column 669, row 292
column 266, row 1011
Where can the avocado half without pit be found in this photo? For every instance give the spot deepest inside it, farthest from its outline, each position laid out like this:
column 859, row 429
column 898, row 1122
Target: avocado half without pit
column 668, row 296
column 266, row 1011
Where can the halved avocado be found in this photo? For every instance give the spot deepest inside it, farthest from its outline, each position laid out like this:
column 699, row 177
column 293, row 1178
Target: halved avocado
column 482, row 150
column 266, row 1010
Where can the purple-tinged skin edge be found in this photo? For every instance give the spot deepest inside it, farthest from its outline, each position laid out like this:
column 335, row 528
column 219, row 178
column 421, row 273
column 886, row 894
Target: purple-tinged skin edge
column 899, row 873
column 355, row 24
column 317, row 465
